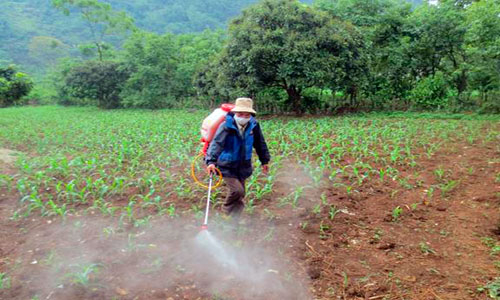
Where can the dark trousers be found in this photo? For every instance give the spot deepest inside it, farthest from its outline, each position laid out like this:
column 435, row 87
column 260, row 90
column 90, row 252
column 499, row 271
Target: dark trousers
column 234, row 204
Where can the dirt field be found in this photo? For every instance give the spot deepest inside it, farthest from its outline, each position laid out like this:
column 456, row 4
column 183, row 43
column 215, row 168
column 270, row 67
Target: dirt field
column 378, row 242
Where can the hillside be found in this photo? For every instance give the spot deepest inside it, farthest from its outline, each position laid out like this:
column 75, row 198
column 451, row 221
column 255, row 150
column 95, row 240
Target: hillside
column 27, row 27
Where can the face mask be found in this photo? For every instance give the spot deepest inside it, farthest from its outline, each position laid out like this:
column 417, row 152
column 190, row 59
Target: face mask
column 241, row 121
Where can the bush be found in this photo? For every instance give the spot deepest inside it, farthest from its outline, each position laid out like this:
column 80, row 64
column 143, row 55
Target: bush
column 492, row 104
column 94, row 82
column 13, row 86
column 431, row 93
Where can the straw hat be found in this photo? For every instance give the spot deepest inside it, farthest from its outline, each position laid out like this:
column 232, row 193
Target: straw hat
column 244, row 105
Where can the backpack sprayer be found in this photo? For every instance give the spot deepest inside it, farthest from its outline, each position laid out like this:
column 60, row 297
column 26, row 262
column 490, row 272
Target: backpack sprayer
column 208, row 129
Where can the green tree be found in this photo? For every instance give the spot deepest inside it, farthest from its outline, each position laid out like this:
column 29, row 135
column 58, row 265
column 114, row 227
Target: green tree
column 153, row 63
column 437, row 34
column 291, row 46
column 483, row 46
column 382, row 23
column 361, row 12
column 92, row 81
column 13, row 86
column 195, row 51
column 102, row 21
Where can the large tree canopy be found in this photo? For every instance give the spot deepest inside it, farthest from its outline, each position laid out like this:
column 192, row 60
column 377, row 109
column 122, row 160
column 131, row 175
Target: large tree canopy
column 289, row 45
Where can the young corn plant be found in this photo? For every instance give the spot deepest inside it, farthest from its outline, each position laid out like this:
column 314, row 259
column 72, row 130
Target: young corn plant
column 4, row 281
column 54, row 209
column 426, row 249
column 492, row 288
column 396, row 213
column 296, row 196
column 323, row 231
column 439, row 173
column 333, row 212
column 83, row 274
column 448, row 186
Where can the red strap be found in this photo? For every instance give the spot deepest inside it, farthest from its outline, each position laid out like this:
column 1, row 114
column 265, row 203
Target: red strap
column 205, row 148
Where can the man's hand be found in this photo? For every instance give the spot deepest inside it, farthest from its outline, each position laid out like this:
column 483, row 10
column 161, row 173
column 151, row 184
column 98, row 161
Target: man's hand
column 211, row 169
column 265, row 169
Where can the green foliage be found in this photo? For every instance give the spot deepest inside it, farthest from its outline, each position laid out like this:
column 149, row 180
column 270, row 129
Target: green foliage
column 20, row 20
column 13, row 86
column 92, row 81
column 360, row 12
column 328, row 57
column 152, row 61
column 163, row 66
column 396, row 213
column 482, row 42
column 43, row 93
column 430, row 93
column 382, row 24
column 290, row 46
column 4, row 281
column 81, row 274
column 492, row 289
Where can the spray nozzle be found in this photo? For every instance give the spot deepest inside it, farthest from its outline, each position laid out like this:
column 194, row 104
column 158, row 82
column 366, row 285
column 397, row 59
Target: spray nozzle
column 204, row 227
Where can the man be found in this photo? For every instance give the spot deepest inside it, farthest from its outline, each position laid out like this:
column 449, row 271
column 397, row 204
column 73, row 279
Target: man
column 231, row 152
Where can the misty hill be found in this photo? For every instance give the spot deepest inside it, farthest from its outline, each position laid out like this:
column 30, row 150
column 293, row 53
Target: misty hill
column 26, row 26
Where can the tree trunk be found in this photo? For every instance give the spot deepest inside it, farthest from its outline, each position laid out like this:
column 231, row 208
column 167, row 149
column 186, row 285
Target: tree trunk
column 352, row 91
column 462, row 82
column 99, row 50
column 294, row 98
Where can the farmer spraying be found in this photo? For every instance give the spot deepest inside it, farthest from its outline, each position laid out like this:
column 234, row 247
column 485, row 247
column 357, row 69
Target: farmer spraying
column 231, row 152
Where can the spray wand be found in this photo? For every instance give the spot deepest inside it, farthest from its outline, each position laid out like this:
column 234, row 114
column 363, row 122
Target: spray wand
column 210, row 186
column 205, row 222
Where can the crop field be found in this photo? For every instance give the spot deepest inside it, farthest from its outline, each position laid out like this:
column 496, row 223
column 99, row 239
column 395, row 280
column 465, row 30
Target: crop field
column 101, row 205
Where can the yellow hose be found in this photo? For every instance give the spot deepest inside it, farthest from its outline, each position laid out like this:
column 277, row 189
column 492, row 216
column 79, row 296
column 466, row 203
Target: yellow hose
column 193, row 164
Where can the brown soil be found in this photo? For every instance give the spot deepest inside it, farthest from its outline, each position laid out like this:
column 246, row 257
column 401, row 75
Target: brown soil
column 7, row 156
column 435, row 249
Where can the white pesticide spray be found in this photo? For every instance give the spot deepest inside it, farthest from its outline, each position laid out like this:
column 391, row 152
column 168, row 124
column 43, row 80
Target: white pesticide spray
column 236, row 263
column 216, row 249
column 168, row 256
column 209, row 243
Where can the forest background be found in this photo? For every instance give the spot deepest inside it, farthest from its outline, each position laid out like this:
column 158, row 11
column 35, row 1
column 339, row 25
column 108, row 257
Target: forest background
column 322, row 56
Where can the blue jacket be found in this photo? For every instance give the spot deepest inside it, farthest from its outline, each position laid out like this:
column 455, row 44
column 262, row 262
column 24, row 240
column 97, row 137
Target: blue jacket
column 232, row 152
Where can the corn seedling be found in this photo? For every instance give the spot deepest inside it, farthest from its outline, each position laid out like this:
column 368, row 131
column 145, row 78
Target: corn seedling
column 333, row 212
column 303, row 225
column 323, row 228
column 492, row 288
column 396, row 213
column 377, row 235
column 296, row 196
column 83, row 274
column 317, row 209
column 426, row 249
column 324, row 201
column 4, row 281
column 49, row 259
column 269, row 214
column 448, row 187
column 171, row 212
column 269, row 235
column 439, row 173
column 144, row 222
